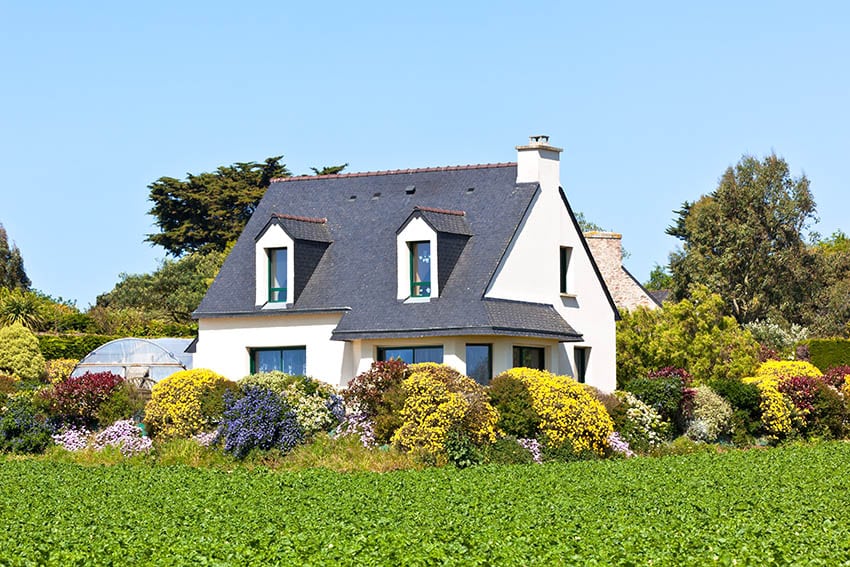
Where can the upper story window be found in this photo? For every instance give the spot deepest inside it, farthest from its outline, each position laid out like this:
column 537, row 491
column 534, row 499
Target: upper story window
column 566, row 252
column 420, row 269
column 277, row 274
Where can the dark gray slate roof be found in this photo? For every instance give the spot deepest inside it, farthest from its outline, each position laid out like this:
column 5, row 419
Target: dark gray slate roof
column 357, row 273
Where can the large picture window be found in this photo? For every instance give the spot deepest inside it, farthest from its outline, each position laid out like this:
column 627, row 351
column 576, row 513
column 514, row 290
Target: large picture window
column 420, row 269
column 412, row 355
column 479, row 363
column 529, row 357
column 277, row 275
column 292, row 360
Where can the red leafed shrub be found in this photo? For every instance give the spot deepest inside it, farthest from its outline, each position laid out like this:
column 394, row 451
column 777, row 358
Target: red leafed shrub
column 377, row 394
column 836, row 376
column 801, row 390
column 77, row 399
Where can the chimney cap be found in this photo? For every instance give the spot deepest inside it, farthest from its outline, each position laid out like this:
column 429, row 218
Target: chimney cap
column 539, row 142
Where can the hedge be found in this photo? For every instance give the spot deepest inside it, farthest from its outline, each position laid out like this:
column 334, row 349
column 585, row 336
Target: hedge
column 70, row 346
column 826, row 353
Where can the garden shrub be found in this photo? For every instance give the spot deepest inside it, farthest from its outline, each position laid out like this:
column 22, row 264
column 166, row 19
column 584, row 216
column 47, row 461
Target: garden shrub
column 712, row 416
column 126, row 436
column 776, row 409
column 187, row 402
column 836, row 376
column 668, row 392
column 570, row 417
column 510, row 396
column 71, row 345
column 19, row 353
column 819, row 407
column 461, row 451
column 22, row 429
column 507, row 451
column 59, row 369
column 316, row 404
column 777, row 337
column 258, row 419
column 776, row 369
column 439, row 400
column 125, row 402
column 745, row 400
column 638, row 424
column 76, row 400
column 826, row 353
column 377, row 395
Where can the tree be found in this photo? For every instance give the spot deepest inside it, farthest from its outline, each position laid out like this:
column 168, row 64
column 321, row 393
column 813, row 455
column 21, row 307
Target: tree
column 829, row 314
column 170, row 293
column 693, row 334
column 659, row 279
column 329, row 169
column 208, row 211
column 12, row 273
column 586, row 225
column 745, row 241
column 19, row 353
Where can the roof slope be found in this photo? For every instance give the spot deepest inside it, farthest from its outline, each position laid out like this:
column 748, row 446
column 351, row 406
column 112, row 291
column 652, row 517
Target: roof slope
column 357, row 273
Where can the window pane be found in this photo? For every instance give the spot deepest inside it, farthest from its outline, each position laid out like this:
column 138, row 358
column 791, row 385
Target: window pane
column 565, row 262
column 277, row 274
column 420, row 269
column 405, row 354
column 581, row 356
column 266, row 360
column 529, row 357
column 428, row 354
column 478, row 363
column 295, row 361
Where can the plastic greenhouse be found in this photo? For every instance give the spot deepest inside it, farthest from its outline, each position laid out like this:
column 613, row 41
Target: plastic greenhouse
column 142, row 362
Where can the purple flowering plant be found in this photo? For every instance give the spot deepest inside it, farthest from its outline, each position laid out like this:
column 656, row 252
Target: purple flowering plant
column 125, row 435
column 72, row 438
column 619, row 445
column 259, row 419
column 534, row 447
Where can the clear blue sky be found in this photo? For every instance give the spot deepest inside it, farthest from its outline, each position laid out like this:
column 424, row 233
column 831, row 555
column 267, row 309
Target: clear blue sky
column 651, row 102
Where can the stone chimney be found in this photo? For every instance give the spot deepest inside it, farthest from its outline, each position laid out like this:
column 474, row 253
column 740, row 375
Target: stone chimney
column 538, row 162
column 607, row 250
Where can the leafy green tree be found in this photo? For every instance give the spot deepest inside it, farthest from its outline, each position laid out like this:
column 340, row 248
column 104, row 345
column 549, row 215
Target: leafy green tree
column 829, row 314
column 12, row 273
column 329, row 169
column 587, row 225
column 745, row 241
column 172, row 292
column 659, row 279
column 23, row 307
column 208, row 211
column 19, row 353
column 693, row 334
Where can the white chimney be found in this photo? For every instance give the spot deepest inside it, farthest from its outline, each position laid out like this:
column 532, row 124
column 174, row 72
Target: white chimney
column 538, row 162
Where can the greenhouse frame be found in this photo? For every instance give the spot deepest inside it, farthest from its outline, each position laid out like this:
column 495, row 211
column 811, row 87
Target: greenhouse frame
column 142, row 362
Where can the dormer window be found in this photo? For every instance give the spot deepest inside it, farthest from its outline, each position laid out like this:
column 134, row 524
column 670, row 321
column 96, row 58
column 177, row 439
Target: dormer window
column 277, row 275
column 420, row 269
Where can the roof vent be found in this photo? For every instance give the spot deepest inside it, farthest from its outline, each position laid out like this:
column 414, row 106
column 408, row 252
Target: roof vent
column 410, row 190
column 470, row 189
column 352, row 198
column 376, row 195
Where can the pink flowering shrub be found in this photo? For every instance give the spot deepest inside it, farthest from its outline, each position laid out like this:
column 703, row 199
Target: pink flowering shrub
column 125, row 435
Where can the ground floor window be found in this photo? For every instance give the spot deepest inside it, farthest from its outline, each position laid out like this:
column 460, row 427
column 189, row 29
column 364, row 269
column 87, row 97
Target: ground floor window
column 581, row 355
column 412, row 355
column 479, row 363
column 529, row 357
column 292, row 360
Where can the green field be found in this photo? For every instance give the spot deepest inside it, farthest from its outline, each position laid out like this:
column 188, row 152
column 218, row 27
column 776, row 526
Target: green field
column 769, row 507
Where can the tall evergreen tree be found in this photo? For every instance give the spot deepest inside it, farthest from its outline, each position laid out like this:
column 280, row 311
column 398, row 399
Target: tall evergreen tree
column 12, row 273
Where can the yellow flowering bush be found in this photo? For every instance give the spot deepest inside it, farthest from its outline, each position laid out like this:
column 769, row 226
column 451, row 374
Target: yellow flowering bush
column 59, row 369
column 438, row 400
column 187, row 402
column 780, row 416
column 776, row 409
column 777, row 369
column 568, row 411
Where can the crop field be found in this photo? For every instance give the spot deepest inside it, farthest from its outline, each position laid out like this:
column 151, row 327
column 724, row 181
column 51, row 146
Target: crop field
column 772, row 507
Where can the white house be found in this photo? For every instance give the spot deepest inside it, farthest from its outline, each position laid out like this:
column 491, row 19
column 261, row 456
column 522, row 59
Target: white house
column 481, row 267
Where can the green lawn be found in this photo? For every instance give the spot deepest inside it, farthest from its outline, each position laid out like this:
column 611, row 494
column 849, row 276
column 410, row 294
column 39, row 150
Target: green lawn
column 769, row 507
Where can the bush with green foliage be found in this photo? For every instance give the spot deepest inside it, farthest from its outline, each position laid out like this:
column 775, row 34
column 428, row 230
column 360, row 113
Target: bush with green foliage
column 693, row 334
column 187, row 402
column 125, row 402
column 55, row 347
column 826, row 353
column 712, row 416
column 377, row 394
column 510, row 396
column 779, row 338
column 317, row 405
column 441, row 402
column 570, row 416
column 746, row 411
column 19, row 353
column 668, row 392
column 22, row 428
column 506, row 451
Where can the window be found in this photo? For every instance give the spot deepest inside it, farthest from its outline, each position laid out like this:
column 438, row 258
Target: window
column 412, row 355
column 292, row 360
column 479, row 363
column 566, row 252
column 420, row 269
column 529, row 357
column 277, row 275
column 581, row 356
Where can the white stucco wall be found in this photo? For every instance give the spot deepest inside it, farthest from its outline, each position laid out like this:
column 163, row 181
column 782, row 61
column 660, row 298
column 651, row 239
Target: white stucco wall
column 530, row 271
column 224, row 343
